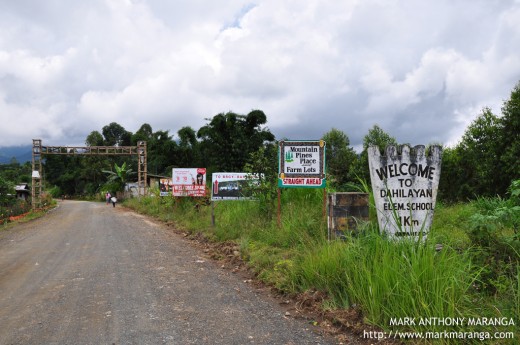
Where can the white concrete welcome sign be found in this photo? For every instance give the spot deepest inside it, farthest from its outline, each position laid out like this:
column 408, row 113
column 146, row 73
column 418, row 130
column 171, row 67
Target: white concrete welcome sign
column 405, row 186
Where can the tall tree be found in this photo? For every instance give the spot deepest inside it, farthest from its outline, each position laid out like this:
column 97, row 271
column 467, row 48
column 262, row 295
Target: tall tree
column 453, row 185
column 486, row 161
column 510, row 143
column 480, row 151
column 228, row 139
column 340, row 157
column 94, row 139
column 189, row 151
column 144, row 133
column 378, row 137
column 263, row 164
column 116, row 135
column 161, row 153
column 91, row 166
column 65, row 172
column 253, row 130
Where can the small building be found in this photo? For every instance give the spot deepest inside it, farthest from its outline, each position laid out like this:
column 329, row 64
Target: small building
column 132, row 188
column 154, row 181
column 22, row 191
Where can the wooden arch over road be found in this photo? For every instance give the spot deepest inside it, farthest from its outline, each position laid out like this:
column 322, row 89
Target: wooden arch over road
column 38, row 151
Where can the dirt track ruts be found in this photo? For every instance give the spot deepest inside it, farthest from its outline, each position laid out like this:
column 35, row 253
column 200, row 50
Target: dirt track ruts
column 88, row 273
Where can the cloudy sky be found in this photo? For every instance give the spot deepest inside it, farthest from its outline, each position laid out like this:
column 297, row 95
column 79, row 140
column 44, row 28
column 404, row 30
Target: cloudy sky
column 422, row 70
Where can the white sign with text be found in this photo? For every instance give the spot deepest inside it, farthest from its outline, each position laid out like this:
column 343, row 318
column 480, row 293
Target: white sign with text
column 302, row 164
column 405, row 186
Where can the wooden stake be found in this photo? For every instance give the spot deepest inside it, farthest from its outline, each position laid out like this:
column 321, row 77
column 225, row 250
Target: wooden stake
column 279, row 213
column 213, row 213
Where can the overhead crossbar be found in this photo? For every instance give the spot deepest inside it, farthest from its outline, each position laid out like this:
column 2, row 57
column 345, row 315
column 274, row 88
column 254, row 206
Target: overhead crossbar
column 39, row 150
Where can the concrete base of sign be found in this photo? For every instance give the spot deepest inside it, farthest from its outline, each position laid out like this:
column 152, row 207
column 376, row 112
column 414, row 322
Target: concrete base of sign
column 345, row 211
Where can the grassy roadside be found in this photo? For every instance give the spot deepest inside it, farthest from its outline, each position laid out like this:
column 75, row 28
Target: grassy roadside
column 30, row 215
column 383, row 280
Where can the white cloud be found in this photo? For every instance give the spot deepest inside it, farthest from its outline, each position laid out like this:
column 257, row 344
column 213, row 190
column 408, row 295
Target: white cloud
column 423, row 70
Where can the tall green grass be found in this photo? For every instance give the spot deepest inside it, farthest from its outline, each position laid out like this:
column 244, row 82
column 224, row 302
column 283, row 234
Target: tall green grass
column 516, row 295
column 389, row 279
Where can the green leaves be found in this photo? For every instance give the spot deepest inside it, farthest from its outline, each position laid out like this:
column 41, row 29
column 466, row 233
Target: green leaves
column 228, row 139
column 487, row 159
column 116, row 135
column 6, row 188
column 120, row 175
column 340, row 158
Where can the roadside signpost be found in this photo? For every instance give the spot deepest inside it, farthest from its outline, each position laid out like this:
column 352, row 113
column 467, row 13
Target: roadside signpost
column 189, row 182
column 405, row 189
column 231, row 186
column 301, row 164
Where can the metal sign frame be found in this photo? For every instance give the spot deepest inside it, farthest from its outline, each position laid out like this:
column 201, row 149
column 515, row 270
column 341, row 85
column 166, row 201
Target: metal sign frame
column 38, row 151
column 310, row 167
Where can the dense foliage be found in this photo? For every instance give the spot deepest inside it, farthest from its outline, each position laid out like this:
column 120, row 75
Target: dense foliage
column 482, row 164
column 9, row 173
column 487, row 158
column 228, row 139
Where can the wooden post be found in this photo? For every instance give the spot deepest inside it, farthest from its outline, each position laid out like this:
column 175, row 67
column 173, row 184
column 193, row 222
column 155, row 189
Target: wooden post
column 213, row 213
column 324, row 202
column 324, row 211
column 279, row 213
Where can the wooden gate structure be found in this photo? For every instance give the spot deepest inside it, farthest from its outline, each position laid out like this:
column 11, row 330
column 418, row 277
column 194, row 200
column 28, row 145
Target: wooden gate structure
column 38, row 151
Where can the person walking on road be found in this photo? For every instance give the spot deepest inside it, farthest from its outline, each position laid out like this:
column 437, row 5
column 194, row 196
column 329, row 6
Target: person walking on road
column 108, row 196
column 114, row 200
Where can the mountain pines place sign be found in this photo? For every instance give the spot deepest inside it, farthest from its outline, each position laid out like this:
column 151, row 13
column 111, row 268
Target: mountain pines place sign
column 405, row 188
column 301, row 164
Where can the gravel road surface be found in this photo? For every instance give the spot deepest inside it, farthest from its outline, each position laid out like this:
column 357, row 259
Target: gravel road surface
column 88, row 273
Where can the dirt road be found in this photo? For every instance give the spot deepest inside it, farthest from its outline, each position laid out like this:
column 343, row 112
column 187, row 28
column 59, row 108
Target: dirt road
column 88, row 273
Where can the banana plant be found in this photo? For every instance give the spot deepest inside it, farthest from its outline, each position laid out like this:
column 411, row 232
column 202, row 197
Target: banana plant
column 120, row 175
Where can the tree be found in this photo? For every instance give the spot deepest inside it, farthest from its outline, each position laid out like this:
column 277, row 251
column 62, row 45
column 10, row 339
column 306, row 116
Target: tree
column 486, row 161
column 263, row 164
column 94, row 139
column 255, row 135
column 144, row 133
column 480, row 156
column 340, row 158
column 188, row 149
column 65, row 172
column 376, row 137
column 116, row 135
column 452, row 185
column 91, row 166
column 510, row 135
column 162, row 151
column 16, row 172
column 6, row 189
column 228, row 139
column 120, row 176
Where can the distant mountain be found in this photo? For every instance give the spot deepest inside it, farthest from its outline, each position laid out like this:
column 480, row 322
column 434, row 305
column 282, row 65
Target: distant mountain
column 21, row 153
